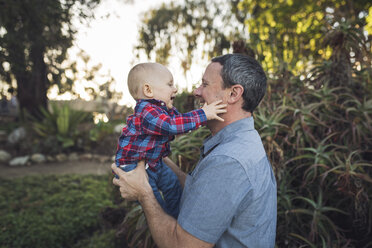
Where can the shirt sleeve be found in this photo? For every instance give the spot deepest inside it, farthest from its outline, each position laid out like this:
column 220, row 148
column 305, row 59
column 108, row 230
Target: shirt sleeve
column 212, row 197
column 156, row 122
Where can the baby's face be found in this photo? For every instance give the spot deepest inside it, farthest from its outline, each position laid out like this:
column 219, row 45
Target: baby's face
column 163, row 87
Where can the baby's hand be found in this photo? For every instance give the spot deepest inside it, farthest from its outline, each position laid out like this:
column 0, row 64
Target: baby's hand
column 212, row 110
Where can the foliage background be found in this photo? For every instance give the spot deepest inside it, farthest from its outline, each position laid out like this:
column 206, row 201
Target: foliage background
column 51, row 211
column 315, row 120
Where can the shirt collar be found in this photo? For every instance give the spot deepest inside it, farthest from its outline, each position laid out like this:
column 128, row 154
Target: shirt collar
column 157, row 102
column 246, row 124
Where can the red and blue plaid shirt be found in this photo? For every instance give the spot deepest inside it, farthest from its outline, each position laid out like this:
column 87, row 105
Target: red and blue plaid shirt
column 149, row 130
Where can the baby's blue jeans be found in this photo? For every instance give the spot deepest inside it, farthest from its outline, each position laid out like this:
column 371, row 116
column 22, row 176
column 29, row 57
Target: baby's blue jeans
column 165, row 185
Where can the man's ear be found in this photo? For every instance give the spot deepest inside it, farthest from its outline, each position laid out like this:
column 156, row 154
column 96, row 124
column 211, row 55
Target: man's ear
column 147, row 90
column 236, row 93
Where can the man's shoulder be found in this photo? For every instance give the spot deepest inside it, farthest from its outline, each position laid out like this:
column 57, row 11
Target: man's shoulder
column 216, row 160
column 247, row 152
column 242, row 147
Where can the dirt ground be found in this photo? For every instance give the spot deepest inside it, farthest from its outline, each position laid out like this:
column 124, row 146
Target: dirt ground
column 69, row 167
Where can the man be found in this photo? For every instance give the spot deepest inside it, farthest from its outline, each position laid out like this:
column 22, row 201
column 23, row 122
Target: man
column 229, row 200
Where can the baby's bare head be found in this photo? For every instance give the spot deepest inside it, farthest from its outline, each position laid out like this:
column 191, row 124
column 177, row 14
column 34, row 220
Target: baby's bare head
column 146, row 73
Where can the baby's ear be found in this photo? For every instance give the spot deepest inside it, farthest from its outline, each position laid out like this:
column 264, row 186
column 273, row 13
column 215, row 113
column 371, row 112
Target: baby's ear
column 147, row 90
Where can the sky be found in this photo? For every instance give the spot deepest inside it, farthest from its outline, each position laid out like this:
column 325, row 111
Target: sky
column 110, row 40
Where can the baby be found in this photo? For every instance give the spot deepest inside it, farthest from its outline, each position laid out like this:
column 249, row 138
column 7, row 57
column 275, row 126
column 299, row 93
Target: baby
column 153, row 125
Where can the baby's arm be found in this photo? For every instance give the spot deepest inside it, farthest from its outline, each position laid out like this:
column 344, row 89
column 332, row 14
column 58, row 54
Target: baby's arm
column 155, row 122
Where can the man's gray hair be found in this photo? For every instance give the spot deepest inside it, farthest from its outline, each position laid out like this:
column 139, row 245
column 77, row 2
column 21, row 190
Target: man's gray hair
column 246, row 71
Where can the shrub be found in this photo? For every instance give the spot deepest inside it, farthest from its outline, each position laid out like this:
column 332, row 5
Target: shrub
column 101, row 130
column 52, row 211
column 98, row 240
column 59, row 127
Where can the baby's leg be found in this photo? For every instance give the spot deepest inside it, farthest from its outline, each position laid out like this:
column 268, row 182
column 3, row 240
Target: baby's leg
column 128, row 167
column 125, row 167
column 171, row 188
column 153, row 178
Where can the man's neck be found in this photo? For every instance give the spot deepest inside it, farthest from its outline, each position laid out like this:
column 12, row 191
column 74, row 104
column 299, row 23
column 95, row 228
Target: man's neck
column 231, row 116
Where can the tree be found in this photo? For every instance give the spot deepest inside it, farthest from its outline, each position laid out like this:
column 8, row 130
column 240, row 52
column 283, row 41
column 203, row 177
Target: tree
column 89, row 76
column 181, row 29
column 285, row 35
column 34, row 38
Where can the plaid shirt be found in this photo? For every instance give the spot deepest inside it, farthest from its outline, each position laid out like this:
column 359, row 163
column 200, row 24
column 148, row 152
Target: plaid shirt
column 149, row 130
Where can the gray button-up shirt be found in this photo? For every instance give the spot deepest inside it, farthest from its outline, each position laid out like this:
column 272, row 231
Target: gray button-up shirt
column 230, row 197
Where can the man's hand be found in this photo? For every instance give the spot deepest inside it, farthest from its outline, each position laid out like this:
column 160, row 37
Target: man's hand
column 212, row 110
column 134, row 184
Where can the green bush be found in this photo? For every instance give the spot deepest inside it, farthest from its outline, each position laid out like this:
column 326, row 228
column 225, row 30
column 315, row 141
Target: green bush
column 58, row 127
column 53, row 211
column 98, row 240
column 101, row 130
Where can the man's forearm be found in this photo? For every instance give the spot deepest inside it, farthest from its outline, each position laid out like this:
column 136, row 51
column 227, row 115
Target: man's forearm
column 165, row 230
column 162, row 226
column 179, row 173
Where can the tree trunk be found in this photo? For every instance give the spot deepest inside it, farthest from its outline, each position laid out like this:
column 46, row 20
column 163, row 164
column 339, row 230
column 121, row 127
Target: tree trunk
column 32, row 87
column 341, row 68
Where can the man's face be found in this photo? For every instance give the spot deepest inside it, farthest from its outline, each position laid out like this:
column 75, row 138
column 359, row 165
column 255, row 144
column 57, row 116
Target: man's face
column 163, row 87
column 211, row 88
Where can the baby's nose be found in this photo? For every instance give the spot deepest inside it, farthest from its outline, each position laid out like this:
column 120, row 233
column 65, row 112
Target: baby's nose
column 196, row 91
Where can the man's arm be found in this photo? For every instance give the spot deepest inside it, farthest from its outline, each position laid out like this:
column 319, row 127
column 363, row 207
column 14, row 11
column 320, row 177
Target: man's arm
column 164, row 229
column 180, row 174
